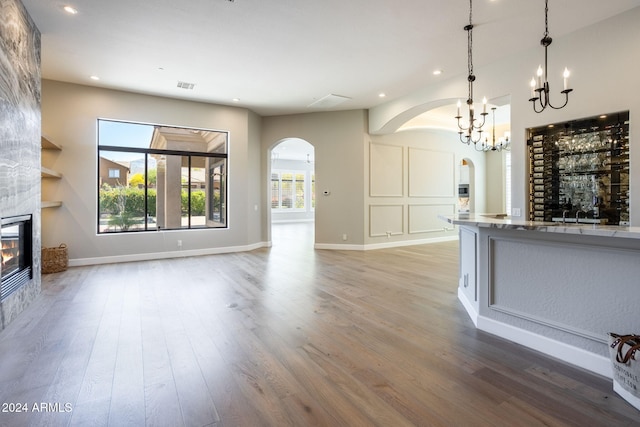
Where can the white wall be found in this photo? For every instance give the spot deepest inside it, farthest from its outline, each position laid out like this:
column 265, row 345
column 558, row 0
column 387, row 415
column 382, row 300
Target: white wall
column 69, row 117
column 603, row 59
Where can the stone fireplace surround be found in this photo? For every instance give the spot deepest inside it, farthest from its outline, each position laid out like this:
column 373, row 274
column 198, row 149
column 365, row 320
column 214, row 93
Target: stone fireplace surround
column 20, row 130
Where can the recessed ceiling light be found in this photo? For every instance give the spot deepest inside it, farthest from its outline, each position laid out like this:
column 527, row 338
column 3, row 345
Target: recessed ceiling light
column 604, row 116
column 236, row 99
column 94, row 78
column 70, row 10
column 437, row 72
column 382, row 95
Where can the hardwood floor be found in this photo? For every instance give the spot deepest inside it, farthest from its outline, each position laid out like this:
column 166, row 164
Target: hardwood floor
column 286, row 336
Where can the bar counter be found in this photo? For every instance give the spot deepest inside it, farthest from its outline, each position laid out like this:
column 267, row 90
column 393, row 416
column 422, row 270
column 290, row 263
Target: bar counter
column 557, row 288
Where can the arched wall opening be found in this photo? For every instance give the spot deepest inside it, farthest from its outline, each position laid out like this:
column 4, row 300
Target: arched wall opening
column 467, row 186
column 291, row 183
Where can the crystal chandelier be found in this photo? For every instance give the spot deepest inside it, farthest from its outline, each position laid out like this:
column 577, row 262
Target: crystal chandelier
column 540, row 87
column 473, row 131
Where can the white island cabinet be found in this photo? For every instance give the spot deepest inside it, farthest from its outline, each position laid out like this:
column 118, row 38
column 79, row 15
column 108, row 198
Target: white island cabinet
column 554, row 287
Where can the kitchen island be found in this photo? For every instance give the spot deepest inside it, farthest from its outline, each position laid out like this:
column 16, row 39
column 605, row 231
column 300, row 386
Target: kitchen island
column 554, row 287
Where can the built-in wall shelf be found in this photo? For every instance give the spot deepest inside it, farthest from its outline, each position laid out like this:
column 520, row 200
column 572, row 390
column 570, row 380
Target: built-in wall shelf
column 47, row 144
column 49, row 173
column 48, row 204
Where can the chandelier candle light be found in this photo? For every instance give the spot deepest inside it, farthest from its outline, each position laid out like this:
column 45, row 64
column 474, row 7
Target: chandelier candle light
column 540, row 87
column 503, row 142
column 472, row 132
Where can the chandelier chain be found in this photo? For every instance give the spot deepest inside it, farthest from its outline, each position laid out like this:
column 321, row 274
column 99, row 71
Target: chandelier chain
column 546, row 18
column 470, row 40
column 472, row 131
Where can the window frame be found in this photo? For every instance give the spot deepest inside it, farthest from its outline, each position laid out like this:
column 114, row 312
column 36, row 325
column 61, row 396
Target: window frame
column 308, row 189
column 146, row 152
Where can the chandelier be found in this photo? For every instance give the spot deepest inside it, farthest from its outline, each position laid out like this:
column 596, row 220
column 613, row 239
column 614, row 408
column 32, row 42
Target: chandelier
column 473, row 131
column 540, row 87
column 503, row 143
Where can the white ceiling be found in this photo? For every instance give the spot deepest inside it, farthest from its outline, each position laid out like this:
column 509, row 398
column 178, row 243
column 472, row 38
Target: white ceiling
column 278, row 57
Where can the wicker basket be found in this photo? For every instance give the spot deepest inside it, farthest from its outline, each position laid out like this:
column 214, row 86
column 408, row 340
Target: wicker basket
column 55, row 260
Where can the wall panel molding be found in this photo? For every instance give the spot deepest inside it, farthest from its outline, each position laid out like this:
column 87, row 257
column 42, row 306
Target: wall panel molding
column 423, row 218
column 386, row 220
column 542, row 290
column 386, row 170
column 431, row 173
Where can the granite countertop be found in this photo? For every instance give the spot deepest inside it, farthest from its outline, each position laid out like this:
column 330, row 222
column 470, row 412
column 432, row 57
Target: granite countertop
column 511, row 223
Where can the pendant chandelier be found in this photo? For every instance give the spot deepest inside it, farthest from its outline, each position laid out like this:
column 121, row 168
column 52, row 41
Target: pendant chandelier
column 540, row 87
column 473, row 131
column 503, row 143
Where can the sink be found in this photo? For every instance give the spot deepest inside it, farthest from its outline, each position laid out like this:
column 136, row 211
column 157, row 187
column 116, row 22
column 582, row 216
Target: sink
column 580, row 220
column 497, row 216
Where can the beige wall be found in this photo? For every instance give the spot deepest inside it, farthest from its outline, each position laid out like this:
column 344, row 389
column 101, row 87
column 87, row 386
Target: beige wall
column 337, row 138
column 342, row 156
column 340, row 141
column 69, row 117
column 495, row 183
column 427, row 173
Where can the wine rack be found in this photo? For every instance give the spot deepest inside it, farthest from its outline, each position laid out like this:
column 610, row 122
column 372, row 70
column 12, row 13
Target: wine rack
column 579, row 170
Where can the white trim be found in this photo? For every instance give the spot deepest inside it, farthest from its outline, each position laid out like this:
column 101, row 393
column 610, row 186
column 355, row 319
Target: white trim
column 410, row 242
column 633, row 400
column 78, row 262
column 341, row 247
column 473, row 314
column 567, row 353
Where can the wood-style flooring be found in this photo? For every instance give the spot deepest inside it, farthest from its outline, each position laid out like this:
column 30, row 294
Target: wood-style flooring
column 285, row 336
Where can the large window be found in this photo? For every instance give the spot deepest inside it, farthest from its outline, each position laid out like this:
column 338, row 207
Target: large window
column 288, row 190
column 153, row 177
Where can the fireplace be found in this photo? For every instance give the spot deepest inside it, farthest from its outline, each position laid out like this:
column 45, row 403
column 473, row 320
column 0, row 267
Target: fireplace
column 16, row 261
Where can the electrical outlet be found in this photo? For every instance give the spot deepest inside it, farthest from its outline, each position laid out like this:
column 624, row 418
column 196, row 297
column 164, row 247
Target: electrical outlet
column 515, row 212
column 344, row 236
column 179, row 244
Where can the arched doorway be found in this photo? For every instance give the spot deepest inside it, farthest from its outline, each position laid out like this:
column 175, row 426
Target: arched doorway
column 466, row 186
column 292, row 192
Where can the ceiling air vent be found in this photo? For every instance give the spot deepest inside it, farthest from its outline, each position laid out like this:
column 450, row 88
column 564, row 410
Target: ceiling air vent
column 328, row 101
column 185, row 85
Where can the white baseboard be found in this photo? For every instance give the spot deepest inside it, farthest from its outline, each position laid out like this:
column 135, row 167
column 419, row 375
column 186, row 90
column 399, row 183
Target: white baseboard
column 338, row 247
column 78, row 262
column 386, row 245
column 471, row 311
column 290, row 221
column 596, row 363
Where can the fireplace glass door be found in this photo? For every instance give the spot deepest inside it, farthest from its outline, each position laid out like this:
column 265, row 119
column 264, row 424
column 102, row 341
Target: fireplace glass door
column 15, row 241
